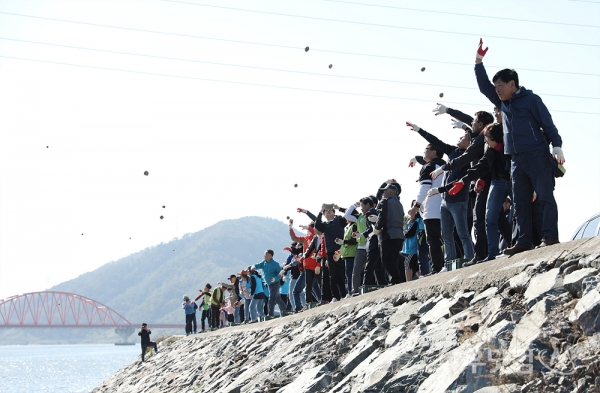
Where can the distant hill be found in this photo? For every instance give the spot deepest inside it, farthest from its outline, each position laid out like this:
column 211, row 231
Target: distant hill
column 148, row 285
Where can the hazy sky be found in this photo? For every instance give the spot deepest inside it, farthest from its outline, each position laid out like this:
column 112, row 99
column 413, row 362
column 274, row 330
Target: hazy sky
column 227, row 111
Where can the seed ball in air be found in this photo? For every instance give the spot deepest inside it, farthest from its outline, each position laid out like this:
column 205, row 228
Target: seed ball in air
column 288, row 217
column 306, row 49
column 46, row 147
column 295, row 185
column 163, row 206
column 146, row 173
column 330, row 65
column 441, row 95
column 423, row 69
column 161, row 217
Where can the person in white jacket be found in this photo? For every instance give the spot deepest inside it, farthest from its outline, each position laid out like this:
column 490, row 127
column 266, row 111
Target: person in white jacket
column 429, row 207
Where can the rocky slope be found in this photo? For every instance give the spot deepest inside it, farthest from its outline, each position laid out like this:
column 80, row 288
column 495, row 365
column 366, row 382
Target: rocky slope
column 529, row 323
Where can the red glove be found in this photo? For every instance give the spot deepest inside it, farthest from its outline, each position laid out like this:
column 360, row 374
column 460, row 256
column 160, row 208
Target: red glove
column 479, row 186
column 456, row 188
column 287, row 249
column 480, row 51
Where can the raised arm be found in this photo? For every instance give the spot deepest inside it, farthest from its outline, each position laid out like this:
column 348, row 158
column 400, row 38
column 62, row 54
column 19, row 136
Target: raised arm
column 446, row 148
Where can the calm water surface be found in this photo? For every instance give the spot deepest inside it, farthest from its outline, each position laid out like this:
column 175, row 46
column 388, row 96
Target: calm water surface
column 60, row 368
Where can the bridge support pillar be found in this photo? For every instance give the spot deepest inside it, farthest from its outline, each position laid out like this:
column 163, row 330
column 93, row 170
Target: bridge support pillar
column 124, row 332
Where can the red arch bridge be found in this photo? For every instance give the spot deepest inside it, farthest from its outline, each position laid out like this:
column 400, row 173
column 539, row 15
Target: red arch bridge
column 64, row 310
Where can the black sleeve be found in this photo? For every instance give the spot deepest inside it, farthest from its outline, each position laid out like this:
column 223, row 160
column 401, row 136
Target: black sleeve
column 458, row 115
column 311, row 216
column 425, row 174
column 252, row 285
column 140, row 333
column 382, row 220
column 149, row 333
column 352, row 240
column 482, row 166
column 474, row 152
column 379, row 194
column 412, row 230
column 343, row 221
column 318, row 223
column 420, row 160
column 446, row 148
column 311, row 247
column 342, row 209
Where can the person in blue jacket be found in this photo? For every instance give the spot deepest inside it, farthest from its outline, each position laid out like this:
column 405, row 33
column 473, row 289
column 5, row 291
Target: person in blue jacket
column 257, row 291
column 271, row 269
column 528, row 127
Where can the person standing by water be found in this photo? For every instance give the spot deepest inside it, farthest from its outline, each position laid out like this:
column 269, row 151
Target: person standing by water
column 144, row 333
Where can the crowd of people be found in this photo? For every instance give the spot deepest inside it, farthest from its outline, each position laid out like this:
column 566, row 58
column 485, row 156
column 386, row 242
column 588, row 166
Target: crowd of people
column 490, row 193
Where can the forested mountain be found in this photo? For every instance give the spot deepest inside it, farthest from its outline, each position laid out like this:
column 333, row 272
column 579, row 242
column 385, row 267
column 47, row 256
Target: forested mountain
column 148, row 285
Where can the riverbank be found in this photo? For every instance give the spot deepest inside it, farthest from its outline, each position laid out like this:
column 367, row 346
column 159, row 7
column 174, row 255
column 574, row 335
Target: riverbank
column 527, row 323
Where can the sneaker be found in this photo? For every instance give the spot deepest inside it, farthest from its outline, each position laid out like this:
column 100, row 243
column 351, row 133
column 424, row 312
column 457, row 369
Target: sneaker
column 324, row 302
column 333, row 300
column 348, row 296
column 444, row 270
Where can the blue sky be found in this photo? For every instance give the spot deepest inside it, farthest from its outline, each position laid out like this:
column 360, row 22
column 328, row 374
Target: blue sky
column 245, row 112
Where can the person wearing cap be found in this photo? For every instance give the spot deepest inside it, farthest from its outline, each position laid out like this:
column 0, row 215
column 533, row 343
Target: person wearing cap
column 189, row 308
column 144, row 333
column 374, row 274
column 271, row 269
column 389, row 230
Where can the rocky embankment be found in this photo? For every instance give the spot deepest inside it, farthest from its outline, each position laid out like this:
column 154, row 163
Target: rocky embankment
column 529, row 323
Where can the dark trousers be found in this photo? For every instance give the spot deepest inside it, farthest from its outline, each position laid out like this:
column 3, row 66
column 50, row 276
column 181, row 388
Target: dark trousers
column 205, row 315
column 215, row 313
column 390, row 251
column 423, row 251
column 433, row 230
column 311, row 279
column 481, row 247
column 325, row 283
column 374, row 272
column 190, row 320
column 337, row 276
column 145, row 347
column 534, row 171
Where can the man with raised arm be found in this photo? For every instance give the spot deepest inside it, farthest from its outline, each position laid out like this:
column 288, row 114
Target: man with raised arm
column 527, row 123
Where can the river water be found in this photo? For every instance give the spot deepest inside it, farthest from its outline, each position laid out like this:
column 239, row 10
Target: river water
column 60, row 368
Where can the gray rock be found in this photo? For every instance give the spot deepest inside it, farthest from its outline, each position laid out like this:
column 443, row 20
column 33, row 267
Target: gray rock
column 540, row 285
column 484, row 295
column 586, row 313
column 358, row 354
column 467, row 365
column 527, row 331
column 572, row 282
column 520, row 281
column 592, row 260
column 429, row 304
column 510, row 388
column 568, row 264
column 589, row 284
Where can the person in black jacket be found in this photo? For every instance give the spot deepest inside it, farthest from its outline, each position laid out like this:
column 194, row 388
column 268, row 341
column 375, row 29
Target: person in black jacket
column 389, row 229
column 144, row 333
column 470, row 157
column 497, row 164
column 332, row 229
column 453, row 209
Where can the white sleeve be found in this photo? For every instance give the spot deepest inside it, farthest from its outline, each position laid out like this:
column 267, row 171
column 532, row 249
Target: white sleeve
column 425, row 186
column 348, row 215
